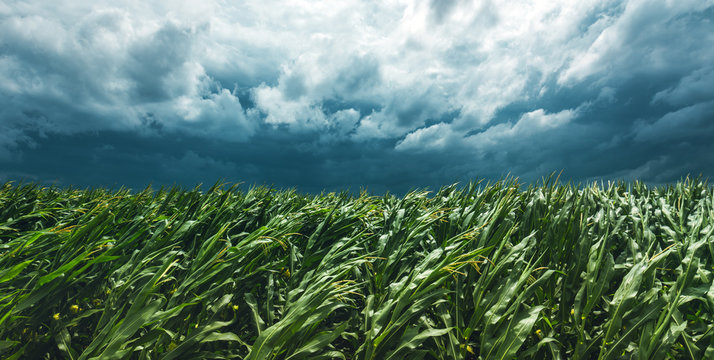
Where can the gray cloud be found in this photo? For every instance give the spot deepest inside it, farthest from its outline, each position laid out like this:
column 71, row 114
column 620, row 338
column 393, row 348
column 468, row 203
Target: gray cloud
column 691, row 123
column 159, row 67
column 691, row 89
column 384, row 93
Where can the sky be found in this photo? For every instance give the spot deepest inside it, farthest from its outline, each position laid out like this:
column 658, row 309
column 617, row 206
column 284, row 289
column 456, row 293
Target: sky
column 386, row 95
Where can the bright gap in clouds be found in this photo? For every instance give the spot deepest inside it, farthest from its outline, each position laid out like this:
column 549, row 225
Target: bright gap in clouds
column 388, row 94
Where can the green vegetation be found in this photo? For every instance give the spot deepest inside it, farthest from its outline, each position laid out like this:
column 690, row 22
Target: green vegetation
column 492, row 271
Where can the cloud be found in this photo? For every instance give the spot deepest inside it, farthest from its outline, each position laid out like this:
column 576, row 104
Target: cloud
column 441, row 136
column 203, row 167
column 691, row 89
column 306, row 85
column 217, row 115
column 298, row 113
column 159, row 66
column 646, row 37
column 468, row 87
column 435, row 137
column 109, row 68
column 691, row 123
column 10, row 139
column 530, row 124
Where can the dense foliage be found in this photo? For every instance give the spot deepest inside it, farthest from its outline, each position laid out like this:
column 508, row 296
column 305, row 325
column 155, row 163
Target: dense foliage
column 482, row 271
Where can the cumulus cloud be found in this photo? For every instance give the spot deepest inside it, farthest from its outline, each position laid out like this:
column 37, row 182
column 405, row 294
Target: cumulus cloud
column 530, row 124
column 297, row 113
column 441, row 136
column 435, row 137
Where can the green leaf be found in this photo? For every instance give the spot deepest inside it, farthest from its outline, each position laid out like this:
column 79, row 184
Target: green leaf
column 9, row 274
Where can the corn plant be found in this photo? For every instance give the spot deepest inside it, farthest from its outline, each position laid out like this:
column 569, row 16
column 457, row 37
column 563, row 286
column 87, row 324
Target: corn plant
column 479, row 271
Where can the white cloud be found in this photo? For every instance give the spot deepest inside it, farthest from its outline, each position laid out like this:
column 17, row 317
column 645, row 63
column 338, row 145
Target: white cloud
column 529, row 125
column 442, row 136
column 218, row 115
column 300, row 114
column 435, row 137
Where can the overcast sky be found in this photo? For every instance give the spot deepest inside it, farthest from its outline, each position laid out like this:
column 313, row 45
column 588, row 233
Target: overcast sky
column 387, row 95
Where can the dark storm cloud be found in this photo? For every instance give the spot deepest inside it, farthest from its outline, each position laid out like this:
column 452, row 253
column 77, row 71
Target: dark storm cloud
column 693, row 123
column 390, row 95
column 122, row 159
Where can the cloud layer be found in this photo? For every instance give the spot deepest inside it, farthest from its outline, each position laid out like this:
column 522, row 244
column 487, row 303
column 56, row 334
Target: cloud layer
column 388, row 94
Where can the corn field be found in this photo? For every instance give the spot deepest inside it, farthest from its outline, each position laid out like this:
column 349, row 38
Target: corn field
column 481, row 271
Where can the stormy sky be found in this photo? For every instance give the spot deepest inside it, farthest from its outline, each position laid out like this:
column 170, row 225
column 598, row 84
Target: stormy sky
column 384, row 95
